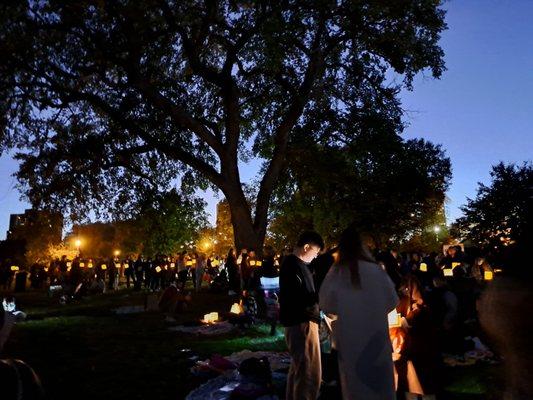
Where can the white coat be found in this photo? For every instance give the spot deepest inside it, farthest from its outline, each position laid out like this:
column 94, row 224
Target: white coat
column 361, row 333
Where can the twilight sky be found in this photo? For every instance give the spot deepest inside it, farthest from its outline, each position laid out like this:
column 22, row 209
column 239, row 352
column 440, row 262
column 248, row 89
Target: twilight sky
column 481, row 110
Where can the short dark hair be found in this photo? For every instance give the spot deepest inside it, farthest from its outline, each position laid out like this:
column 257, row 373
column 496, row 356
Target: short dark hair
column 312, row 238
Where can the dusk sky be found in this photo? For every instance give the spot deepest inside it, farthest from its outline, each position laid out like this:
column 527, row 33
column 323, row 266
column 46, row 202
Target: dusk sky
column 481, row 110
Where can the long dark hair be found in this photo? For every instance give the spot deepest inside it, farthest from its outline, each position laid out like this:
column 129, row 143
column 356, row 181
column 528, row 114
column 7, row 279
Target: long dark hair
column 351, row 251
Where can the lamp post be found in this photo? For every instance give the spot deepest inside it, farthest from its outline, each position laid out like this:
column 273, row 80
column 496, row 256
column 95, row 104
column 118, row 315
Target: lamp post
column 436, row 229
column 78, row 244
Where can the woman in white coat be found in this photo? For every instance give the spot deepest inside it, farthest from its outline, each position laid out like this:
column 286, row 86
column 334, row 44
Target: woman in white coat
column 361, row 295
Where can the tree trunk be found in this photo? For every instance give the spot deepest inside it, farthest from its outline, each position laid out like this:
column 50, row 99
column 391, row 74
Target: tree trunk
column 245, row 234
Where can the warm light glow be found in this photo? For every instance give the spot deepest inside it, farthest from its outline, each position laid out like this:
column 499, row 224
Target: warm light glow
column 14, row 268
column 172, row 265
column 82, row 265
column 126, row 266
column 258, row 263
column 69, row 264
column 236, row 308
column 206, row 245
column 210, row 318
column 78, row 242
column 455, row 264
column 117, row 265
column 90, row 265
column 158, row 269
column 104, row 267
column 448, row 272
column 252, row 263
column 488, row 275
column 188, row 263
column 117, row 252
column 423, row 267
column 436, row 228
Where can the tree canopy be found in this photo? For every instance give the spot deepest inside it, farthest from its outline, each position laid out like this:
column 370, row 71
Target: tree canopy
column 501, row 213
column 392, row 189
column 105, row 99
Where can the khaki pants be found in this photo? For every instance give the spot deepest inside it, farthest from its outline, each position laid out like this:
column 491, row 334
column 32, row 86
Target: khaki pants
column 305, row 373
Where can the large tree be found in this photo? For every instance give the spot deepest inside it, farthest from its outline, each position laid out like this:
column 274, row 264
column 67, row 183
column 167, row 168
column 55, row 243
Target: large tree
column 107, row 97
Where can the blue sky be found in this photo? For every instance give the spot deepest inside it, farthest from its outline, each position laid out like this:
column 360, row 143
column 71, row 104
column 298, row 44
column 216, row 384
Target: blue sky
column 481, row 110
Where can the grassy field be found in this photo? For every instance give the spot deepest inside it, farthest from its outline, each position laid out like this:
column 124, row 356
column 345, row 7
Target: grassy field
column 85, row 351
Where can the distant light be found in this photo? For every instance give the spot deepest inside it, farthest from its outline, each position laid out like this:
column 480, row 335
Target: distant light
column 436, row 228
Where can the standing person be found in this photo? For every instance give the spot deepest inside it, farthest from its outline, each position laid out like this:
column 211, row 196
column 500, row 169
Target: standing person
column 232, row 269
column 360, row 294
column 200, row 270
column 300, row 315
column 129, row 271
column 139, row 271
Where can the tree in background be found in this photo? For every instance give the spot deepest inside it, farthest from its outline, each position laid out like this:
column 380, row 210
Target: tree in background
column 393, row 189
column 499, row 218
column 170, row 220
column 107, row 98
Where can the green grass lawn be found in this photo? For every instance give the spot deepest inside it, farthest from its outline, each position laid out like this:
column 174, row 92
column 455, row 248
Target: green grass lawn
column 85, row 351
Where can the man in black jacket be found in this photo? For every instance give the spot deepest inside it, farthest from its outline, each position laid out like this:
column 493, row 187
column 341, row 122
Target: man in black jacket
column 300, row 315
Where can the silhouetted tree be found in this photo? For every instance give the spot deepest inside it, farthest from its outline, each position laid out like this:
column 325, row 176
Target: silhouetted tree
column 108, row 98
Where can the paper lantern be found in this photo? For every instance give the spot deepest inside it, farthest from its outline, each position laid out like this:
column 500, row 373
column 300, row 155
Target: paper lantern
column 117, row 265
column 448, row 272
column 395, row 319
column 194, row 262
column 126, row 266
column 166, row 267
column 90, row 265
column 82, row 265
column 104, row 267
column 488, row 275
column 210, row 318
column 455, row 264
column 14, row 268
column 172, row 265
column 45, row 269
column 158, row 269
column 252, row 263
column 236, row 308
column 69, row 264
column 423, row 267
column 258, row 263
column 188, row 263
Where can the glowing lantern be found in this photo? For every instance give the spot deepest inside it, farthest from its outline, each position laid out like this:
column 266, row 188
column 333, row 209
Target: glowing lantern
column 166, row 267
column 45, row 269
column 104, row 267
column 488, row 275
column 448, row 272
column 188, row 263
column 252, row 263
column 90, row 265
column 455, row 265
column 69, row 264
column 82, row 265
column 258, row 263
column 210, row 318
column 158, row 269
column 194, row 261
column 497, row 270
column 14, row 268
column 423, row 267
column 395, row 319
column 215, row 263
column 117, row 265
column 126, row 266
column 236, row 308
column 172, row 265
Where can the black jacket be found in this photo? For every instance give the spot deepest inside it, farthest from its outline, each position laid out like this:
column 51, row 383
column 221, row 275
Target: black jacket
column 298, row 299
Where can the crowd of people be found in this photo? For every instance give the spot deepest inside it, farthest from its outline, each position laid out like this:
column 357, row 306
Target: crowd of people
column 344, row 295
column 352, row 295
